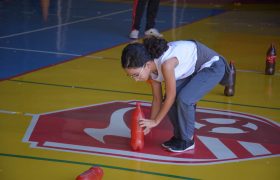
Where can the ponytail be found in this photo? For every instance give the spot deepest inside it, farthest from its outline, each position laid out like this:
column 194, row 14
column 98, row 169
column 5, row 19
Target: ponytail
column 155, row 46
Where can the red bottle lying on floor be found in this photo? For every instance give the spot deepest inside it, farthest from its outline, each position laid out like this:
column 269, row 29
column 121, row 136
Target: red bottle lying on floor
column 94, row 173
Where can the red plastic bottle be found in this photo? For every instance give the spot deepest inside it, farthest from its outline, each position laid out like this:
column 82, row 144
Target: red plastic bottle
column 230, row 89
column 270, row 60
column 137, row 133
column 94, row 173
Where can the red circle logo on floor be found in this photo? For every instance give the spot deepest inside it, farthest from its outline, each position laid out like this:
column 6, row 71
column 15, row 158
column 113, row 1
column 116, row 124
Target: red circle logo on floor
column 104, row 129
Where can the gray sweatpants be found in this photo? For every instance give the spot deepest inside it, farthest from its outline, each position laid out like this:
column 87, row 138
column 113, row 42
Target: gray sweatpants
column 188, row 92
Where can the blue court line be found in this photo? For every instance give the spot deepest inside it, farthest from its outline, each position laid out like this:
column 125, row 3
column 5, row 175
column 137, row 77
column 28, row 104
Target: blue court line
column 64, row 24
column 137, row 93
column 100, row 165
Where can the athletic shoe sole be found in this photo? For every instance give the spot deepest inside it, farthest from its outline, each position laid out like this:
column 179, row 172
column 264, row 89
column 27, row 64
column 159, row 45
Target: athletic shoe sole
column 182, row 150
column 166, row 147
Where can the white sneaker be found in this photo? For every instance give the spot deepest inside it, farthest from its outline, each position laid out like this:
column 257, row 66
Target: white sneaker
column 153, row 32
column 134, row 34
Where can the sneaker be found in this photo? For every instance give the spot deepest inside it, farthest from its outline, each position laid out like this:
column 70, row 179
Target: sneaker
column 134, row 34
column 153, row 32
column 169, row 143
column 182, row 146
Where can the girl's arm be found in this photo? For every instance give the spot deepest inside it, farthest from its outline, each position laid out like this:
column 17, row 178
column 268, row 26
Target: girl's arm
column 170, row 91
column 168, row 71
column 157, row 98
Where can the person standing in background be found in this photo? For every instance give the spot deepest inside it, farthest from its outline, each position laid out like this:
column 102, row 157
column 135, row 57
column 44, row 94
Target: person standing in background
column 137, row 13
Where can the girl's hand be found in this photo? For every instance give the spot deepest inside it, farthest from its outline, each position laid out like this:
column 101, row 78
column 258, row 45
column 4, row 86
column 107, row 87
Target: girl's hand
column 147, row 124
column 146, row 131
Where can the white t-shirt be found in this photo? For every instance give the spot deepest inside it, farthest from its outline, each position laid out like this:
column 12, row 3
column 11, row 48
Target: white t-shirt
column 186, row 54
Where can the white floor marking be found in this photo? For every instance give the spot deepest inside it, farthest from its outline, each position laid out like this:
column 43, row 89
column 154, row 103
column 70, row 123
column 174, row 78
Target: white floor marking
column 64, row 24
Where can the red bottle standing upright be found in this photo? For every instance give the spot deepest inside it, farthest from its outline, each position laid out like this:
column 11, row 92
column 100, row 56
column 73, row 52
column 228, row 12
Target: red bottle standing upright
column 93, row 173
column 270, row 60
column 230, row 89
column 137, row 133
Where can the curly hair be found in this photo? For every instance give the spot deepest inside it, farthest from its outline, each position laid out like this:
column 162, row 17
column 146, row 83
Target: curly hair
column 137, row 54
column 155, row 46
column 134, row 55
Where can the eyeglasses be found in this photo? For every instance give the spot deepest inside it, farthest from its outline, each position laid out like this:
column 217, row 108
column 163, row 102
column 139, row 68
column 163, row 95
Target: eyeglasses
column 137, row 76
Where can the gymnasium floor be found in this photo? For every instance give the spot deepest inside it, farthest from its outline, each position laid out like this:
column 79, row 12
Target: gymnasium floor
column 65, row 102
